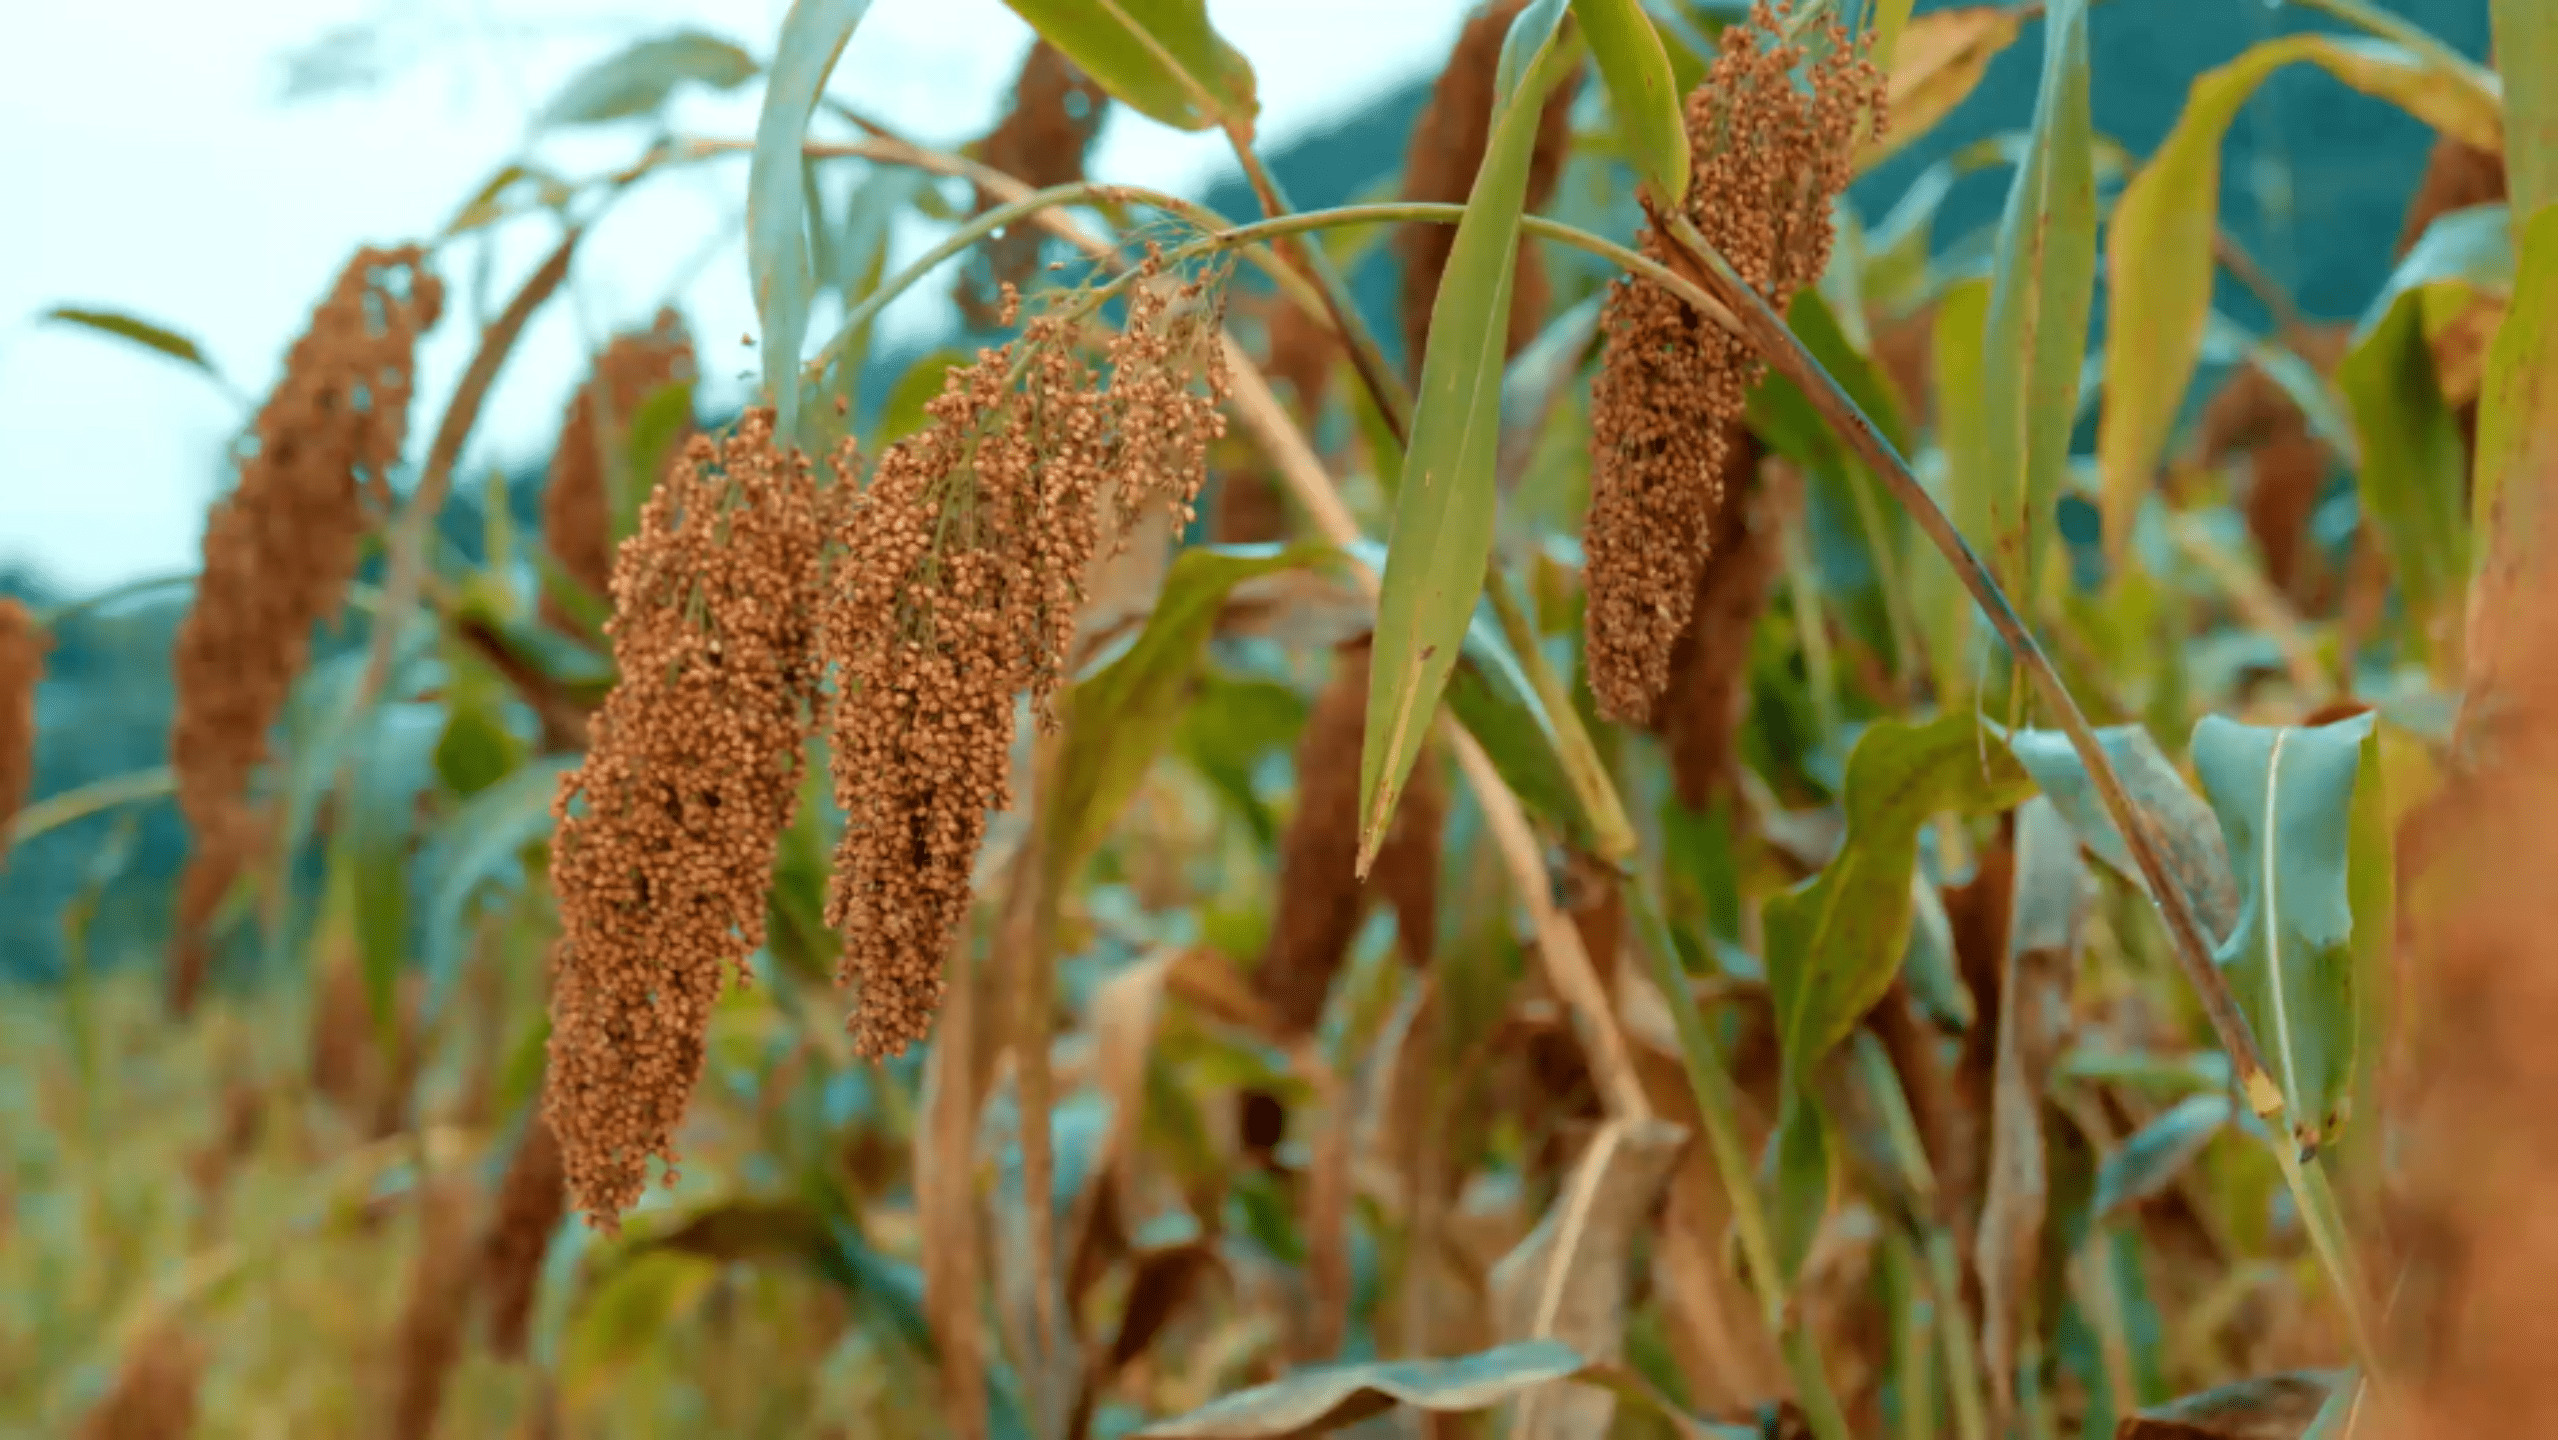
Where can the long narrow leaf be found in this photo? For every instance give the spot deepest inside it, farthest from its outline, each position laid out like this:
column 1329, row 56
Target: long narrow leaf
column 777, row 254
column 1445, row 504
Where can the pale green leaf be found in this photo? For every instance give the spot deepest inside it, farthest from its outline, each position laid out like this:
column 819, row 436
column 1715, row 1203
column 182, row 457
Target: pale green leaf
column 150, row 335
column 471, row 850
column 2042, row 285
column 1331, row 1397
column 2155, row 1154
column 2285, row 800
column 2413, row 457
column 637, row 80
column 1834, row 942
column 814, row 34
column 2180, row 824
column 1641, row 89
column 1161, row 57
column 1446, row 501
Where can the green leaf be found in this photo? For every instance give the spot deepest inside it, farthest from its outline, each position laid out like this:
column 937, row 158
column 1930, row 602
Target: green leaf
column 2517, row 450
column 2159, row 1151
column 2413, row 458
column 378, row 813
column 648, row 447
column 2267, row 1405
column 814, row 34
column 1641, row 90
column 904, row 414
column 1160, row 57
column 2159, row 252
column 1834, row 941
column 474, row 847
column 2180, row 822
column 628, row 1314
column 2285, row 799
column 638, row 79
column 150, row 335
column 500, row 197
column 1806, row 1183
column 1118, row 720
column 2526, row 50
column 2044, row 283
column 1331, row 1397
column 1446, row 500
column 1964, row 485
column 1230, row 727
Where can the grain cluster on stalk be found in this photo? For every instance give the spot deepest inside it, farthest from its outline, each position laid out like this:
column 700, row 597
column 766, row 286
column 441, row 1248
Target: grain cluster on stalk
column 961, row 579
column 278, row 553
column 668, row 829
column 1773, row 132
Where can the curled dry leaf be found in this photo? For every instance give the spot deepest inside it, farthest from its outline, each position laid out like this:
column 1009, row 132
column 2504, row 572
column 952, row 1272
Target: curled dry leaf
column 2033, row 1013
column 1568, row 1279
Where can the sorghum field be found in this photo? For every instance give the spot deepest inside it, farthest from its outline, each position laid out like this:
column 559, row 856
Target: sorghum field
column 1737, row 819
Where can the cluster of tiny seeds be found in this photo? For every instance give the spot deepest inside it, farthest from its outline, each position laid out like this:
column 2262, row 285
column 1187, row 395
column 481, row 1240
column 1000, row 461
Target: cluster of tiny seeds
column 662, row 871
column 577, row 505
column 960, row 588
column 278, row 553
column 1770, row 155
column 1057, row 113
column 22, row 648
column 1448, row 141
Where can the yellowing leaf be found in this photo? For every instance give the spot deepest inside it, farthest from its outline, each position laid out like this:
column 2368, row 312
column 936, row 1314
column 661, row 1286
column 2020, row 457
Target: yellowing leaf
column 1162, row 57
column 2159, row 250
column 1937, row 61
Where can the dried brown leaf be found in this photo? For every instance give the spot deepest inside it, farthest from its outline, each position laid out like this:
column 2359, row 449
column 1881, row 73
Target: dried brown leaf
column 1568, row 1279
column 2042, row 956
column 2271, row 1407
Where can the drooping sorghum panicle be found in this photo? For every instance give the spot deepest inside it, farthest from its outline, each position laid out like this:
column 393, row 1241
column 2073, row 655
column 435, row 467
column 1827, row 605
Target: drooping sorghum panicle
column 962, row 577
column 278, row 552
column 1773, row 135
column 23, row 644
column 1447, row 148
column 667, row 830
column 1042, row 141
column 1321, row 901
column 155, row 1389
column 577, row 506
column 1700, row 711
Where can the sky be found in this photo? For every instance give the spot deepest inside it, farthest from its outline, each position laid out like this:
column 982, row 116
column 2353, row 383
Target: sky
column 172, row 181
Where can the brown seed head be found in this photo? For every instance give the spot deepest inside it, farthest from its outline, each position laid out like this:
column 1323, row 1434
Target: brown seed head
column 23, row 644
column 1042, row 141
column 577, row 508
column 1447, row 148
column 1701, row 710
column 530, row 1202
column 155, row 1390
column 1773, row 138
column 662, row 870
column 278, row 552
column 962, row 581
